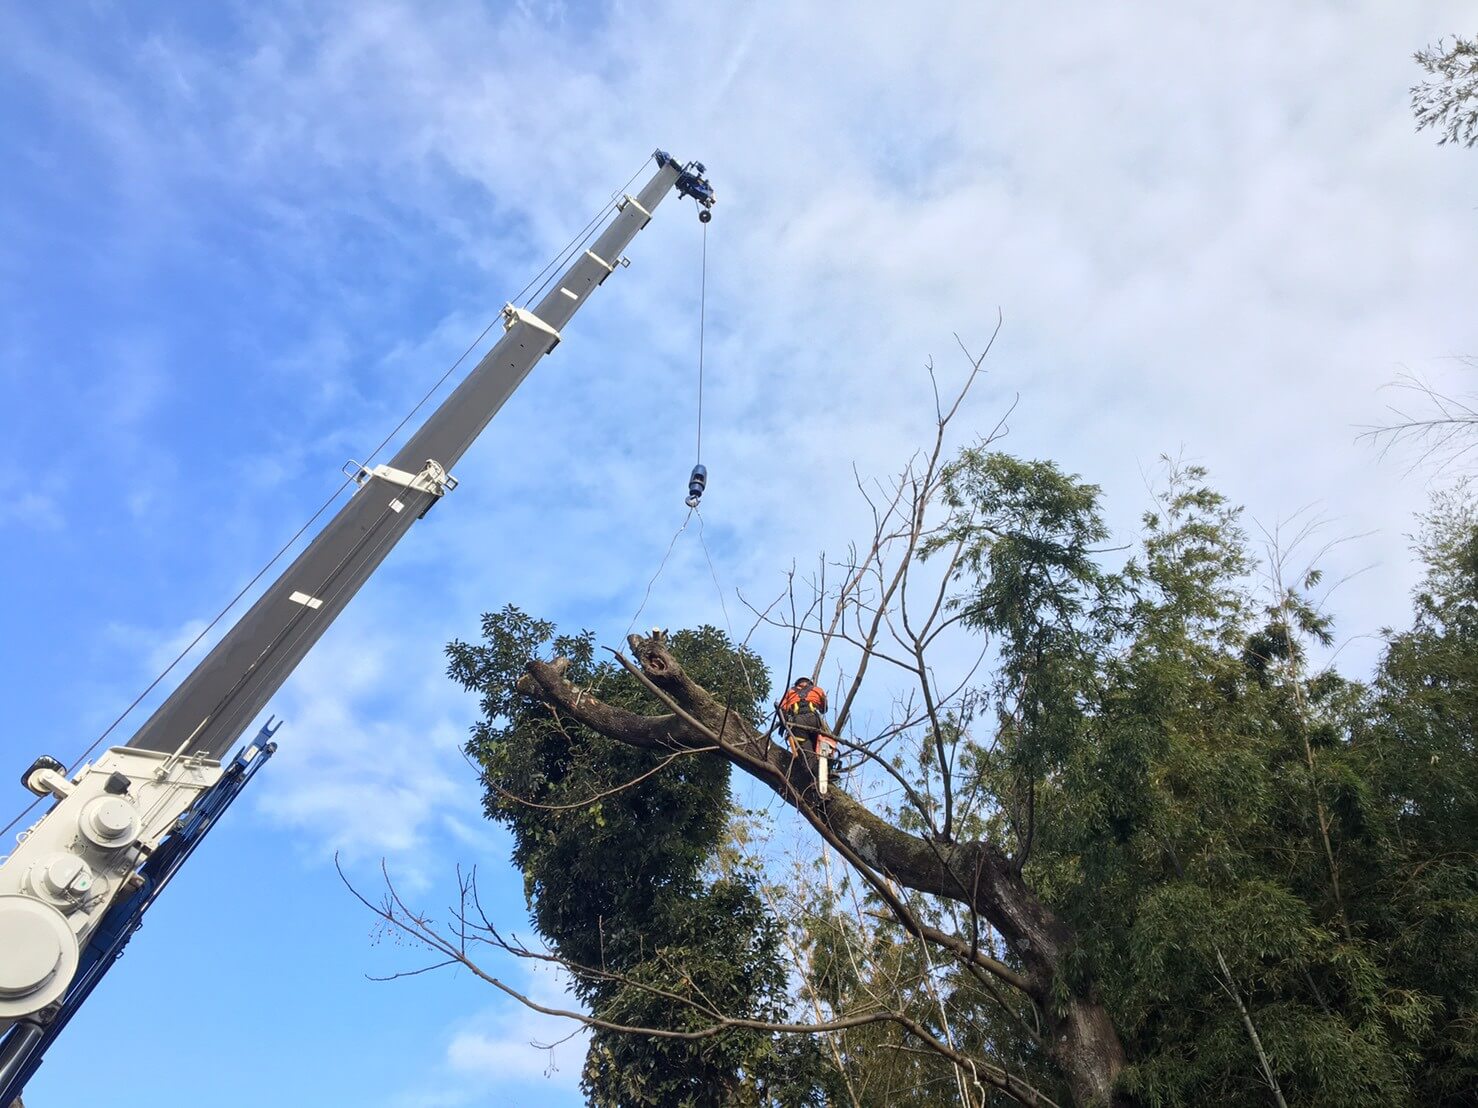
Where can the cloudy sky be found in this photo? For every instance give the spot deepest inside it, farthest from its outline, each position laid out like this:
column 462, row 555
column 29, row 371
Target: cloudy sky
column 240, row 240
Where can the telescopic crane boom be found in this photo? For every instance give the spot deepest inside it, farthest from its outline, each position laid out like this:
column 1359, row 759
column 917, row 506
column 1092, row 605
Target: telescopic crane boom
column 77, row 884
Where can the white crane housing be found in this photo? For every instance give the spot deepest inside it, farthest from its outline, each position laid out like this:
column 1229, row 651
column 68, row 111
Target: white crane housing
column 76, row 885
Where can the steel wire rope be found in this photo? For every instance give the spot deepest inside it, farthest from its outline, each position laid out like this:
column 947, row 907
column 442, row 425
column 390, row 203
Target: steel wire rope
column 292, row 624
column 702, row 321
column 598, row 678
column 196, row 641
column 298, row 534
column 739, row 648
column 552, row 268
column 595, row 685
column 576, row 243
column 698, row 458
column 702, row 312
column 661, row 566
column 583, row 236
column 553, row 264
column 29, row 808
column 713, row 572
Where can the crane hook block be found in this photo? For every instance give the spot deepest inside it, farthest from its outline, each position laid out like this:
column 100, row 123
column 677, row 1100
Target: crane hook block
column 697, row 481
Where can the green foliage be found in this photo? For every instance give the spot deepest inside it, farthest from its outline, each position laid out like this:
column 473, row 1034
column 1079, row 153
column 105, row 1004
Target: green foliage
column 1025, row 533
column 1201, row 798
column 855, row 964
column 1415, row 755
column 1232, row 836
column 1448, row 103
column 616, row 876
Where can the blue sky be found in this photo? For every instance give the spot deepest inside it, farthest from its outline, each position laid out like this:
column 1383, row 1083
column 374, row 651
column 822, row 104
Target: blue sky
column 240, row 240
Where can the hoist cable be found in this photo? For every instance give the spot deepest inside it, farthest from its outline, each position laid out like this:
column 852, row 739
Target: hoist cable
column 702, row 320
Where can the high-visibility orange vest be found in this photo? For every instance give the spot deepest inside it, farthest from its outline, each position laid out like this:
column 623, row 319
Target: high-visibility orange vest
column 796, row 701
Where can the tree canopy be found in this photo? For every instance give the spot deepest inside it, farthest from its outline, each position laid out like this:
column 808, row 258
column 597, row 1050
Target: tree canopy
column 1149, row 854
column 621, row 878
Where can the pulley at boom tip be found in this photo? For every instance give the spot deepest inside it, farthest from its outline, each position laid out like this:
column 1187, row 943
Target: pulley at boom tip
column 691, row 182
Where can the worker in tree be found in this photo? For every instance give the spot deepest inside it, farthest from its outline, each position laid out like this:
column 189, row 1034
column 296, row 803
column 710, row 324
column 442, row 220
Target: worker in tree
column 801, row 709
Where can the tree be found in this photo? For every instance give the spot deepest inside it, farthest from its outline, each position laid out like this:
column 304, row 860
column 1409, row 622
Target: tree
column 1416, row 761
column 1111, row 836
column 1198, row 847
column 975, row 874
column 655, row 925
column 1442, row 428
column 1449, row 103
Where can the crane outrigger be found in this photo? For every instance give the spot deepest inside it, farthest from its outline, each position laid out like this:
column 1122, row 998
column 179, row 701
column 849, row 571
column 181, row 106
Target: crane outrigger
column 77, row 884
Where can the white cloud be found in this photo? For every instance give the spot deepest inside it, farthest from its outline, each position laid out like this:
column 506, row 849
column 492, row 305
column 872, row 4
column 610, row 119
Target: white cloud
column 1201, row 237
column 520, row 1045
column 508, row 1054
column 1208, row 229
column 163, row 652
column 371, row 763
column 28, row 508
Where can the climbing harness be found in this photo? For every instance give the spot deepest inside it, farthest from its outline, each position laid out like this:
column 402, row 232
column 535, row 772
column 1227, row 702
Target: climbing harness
column 800, row 714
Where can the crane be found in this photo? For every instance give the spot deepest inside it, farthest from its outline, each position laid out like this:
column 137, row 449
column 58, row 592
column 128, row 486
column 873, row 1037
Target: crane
column 79, row 880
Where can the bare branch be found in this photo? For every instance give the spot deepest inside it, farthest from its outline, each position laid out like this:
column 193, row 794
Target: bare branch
column 451, row 946
column 1441, row 428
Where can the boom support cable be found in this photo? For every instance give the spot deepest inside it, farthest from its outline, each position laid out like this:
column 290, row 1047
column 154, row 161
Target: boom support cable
column 548, row 273
column 550, row 268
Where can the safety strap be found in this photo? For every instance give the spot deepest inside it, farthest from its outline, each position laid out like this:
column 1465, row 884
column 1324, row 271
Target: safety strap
column 802, row 702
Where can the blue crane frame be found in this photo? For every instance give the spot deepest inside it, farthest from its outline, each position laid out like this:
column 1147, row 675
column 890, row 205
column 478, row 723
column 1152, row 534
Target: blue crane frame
column 24, row 1046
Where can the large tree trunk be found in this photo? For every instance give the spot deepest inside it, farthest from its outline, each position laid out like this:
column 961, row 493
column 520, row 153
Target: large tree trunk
column 1083, row 1041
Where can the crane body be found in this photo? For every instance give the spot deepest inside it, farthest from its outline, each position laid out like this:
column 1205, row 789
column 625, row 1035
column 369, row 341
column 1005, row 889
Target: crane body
column 80, row 878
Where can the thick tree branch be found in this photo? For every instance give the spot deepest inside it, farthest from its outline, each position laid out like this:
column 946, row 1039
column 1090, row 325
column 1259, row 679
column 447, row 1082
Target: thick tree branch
column 941, row 869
